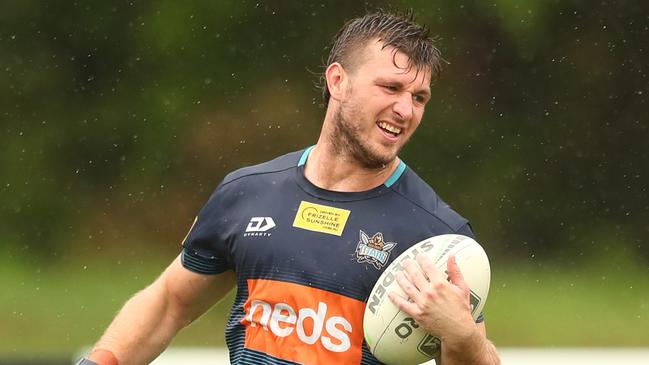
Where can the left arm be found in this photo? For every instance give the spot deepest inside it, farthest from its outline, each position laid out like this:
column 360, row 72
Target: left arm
column 442, row 308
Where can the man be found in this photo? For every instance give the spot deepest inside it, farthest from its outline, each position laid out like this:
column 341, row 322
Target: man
column 288, row 232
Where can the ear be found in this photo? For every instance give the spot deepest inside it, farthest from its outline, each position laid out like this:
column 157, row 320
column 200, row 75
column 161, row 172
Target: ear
column 336, row 80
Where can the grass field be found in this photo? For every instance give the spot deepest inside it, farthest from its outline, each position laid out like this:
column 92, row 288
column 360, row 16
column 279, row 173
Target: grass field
column 52, row 311
column 591, row 306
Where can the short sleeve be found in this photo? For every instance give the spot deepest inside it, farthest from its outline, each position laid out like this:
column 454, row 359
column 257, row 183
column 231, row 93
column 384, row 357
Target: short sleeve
column 466, row 230
column 205, row 249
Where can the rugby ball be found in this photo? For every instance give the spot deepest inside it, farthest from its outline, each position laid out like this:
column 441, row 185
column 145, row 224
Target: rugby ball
column 394, row 337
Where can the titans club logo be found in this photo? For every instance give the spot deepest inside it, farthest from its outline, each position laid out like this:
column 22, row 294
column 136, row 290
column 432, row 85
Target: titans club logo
column 373, row 250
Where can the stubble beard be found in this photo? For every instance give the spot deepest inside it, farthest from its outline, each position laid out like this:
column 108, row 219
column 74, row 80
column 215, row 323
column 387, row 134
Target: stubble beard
column 346, row 140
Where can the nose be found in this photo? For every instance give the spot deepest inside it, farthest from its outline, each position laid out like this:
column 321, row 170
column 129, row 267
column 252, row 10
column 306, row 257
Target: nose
column 403, row 106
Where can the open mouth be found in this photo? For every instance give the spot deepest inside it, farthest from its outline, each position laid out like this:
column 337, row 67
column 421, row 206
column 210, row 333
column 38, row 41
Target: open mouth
column 389, row 129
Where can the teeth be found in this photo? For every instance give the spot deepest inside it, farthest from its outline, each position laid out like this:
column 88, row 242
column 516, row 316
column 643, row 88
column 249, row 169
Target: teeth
column 390, row 128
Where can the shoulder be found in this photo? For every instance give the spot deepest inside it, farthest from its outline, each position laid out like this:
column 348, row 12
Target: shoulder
column 247, row 183
column 253, row 179
column 278, row 164
column 417, row 192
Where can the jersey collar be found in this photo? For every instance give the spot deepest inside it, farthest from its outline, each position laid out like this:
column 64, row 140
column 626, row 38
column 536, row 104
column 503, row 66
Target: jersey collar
column 337, row 195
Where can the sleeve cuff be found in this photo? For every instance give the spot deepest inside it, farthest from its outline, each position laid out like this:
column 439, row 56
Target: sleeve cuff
column 202, row 264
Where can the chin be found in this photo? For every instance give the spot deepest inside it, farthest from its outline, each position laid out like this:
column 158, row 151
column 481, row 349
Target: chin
column 375, row 160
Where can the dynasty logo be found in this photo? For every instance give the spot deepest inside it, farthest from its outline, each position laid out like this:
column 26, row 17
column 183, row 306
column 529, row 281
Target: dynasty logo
column 373, row 250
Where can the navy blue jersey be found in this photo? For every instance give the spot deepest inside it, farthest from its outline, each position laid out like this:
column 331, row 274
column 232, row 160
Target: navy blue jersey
column 306, row 258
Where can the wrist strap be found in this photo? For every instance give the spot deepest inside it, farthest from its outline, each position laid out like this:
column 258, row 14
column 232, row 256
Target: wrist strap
column 84, row 361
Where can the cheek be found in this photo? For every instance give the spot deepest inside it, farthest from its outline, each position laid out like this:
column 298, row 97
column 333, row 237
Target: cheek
column 416, row 120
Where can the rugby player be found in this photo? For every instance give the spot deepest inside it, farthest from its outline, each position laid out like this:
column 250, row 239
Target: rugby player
column 304, row 237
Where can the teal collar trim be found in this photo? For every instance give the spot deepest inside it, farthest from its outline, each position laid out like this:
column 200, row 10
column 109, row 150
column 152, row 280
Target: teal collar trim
column 389, row 182
column 396, row 174
column 304, row 156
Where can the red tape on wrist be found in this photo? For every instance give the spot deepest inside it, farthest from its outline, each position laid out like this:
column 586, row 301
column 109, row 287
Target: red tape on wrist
column 103, row 357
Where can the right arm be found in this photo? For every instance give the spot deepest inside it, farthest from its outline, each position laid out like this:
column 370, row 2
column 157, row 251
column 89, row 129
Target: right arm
column 147, row 323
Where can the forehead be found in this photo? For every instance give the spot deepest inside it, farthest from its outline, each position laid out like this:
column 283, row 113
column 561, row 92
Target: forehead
column 383, row 61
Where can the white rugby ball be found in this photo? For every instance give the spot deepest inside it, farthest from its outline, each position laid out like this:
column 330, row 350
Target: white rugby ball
column 393, row 336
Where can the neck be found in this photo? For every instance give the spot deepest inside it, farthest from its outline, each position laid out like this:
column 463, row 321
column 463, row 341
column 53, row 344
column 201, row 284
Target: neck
column 330, row 170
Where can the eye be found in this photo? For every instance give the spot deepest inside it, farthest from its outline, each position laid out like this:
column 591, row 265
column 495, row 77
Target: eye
column 391, row 88
column 419, row 99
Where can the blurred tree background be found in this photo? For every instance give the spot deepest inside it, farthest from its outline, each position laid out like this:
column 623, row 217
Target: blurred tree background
column 119, row 118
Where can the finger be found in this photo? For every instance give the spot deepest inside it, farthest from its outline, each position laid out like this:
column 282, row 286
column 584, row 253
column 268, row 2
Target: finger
column 455, row 274
column 429, row 269
column 407, row 286
column 402, row 303
column 415, row 274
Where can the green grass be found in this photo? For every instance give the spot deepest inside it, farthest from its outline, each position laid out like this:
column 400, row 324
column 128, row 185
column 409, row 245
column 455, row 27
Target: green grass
column 597, row 305
column 52, row 311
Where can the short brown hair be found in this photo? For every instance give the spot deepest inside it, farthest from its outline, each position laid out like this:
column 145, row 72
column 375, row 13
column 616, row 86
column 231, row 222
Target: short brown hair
column 396, row 30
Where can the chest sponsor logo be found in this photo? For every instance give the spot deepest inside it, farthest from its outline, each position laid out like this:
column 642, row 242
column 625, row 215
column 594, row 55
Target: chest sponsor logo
column 321, row 218
column 258, row 226
column 303, row 324
column 373, row 250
